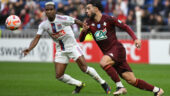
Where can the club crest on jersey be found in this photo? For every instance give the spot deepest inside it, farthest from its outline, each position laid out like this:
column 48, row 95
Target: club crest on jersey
column 98, row 26
column 59, row 26
column 100, row 34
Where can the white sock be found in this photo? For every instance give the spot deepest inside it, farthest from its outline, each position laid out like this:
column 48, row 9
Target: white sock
column 69, row 80
column 119, row 84
column 155, row 89
column 92, row 72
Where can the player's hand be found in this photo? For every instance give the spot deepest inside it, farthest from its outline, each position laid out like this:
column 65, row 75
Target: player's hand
column 25, row 52
column 85, row 27
column 138, row 43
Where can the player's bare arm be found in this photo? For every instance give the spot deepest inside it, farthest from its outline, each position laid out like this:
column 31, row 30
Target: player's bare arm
column 83, row 32
column 32, row 45
column 78, row 22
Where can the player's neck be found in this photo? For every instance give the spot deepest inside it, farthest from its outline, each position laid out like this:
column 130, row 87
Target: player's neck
column 51, row 19
column 98, row 16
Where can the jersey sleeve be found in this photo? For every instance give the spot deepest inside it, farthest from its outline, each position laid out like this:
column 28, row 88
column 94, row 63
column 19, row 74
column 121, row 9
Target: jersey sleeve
column 40, row 29
column 69, row 20
column 123, row 26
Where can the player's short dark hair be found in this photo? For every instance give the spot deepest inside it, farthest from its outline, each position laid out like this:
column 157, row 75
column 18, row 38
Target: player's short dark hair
column 96, row 3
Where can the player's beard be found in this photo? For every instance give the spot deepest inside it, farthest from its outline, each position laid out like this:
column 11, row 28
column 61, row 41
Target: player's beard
column 92, row 16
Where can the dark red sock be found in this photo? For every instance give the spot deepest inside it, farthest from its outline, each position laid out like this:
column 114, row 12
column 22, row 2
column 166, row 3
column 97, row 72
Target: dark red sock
column 143, row 85
column 112, row 73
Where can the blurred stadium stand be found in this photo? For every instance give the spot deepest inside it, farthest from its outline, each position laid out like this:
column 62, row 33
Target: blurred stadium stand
column 155, row 15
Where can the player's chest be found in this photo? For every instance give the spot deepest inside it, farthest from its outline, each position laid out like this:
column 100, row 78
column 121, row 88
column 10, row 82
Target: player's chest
column 56, row 30
column 54, row 27
column 99, row 30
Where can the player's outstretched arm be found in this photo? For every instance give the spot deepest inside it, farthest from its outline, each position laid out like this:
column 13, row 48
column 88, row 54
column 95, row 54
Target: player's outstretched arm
column 83, row 32
column 78, row 22
column 33, row 43
column 124, row 26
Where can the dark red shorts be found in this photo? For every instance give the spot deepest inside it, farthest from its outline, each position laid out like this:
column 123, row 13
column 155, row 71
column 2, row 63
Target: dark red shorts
column 118, row 54
column 122, row 67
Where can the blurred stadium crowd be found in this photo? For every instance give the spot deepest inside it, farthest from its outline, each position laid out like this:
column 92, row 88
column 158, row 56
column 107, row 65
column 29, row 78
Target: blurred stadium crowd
column 155, row 13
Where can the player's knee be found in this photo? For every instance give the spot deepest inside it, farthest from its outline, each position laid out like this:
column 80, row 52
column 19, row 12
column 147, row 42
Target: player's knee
column 106, row 60
column 131, row 81
column 103, row 64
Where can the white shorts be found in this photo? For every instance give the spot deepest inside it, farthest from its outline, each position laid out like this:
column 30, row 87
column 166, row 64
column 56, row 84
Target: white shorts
column 64, row 56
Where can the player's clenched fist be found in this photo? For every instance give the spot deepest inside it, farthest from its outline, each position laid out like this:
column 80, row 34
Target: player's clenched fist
column 25, row 52
column 138, row 43
column 85, row 27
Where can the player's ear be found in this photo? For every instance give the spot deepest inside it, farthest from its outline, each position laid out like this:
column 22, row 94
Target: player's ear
column 95, row 9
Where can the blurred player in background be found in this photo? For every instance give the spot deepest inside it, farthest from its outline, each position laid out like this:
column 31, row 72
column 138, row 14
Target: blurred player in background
column 102, row 27
column 59, row 29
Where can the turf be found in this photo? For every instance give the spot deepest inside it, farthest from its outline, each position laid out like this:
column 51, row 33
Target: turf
column 38, row 79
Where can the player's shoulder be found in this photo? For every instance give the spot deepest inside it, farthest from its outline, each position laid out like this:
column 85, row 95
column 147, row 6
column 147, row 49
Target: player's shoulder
column 108, row 18
column 43, row 23
column 111, row 19
column 61, row 17
column 64, row 18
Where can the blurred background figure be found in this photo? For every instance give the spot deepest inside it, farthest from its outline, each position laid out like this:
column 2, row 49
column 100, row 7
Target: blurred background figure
column 25, row 17
column 154, row 12
column 110, row 6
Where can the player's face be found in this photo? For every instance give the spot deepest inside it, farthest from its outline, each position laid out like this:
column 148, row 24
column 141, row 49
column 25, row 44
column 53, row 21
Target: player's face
column 50, row 12
column 90, row 11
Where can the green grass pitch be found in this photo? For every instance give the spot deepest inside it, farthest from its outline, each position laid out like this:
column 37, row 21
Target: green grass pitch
column 38, row 79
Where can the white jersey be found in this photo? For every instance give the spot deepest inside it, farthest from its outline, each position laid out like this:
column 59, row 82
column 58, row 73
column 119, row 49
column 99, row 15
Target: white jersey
column 60, row 31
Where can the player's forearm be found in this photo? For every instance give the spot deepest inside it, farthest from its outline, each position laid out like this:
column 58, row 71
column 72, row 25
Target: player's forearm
column 78, row 22
column 34, row 42
column 130, row 32
column 82, row 36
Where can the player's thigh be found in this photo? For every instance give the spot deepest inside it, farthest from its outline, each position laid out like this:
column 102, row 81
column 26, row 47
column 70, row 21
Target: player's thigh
column 106, row 60
column 61, row 61
column 129, row 77
column 77, row 55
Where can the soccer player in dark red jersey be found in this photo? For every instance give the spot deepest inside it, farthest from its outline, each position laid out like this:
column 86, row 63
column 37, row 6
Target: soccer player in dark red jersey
column 102, row 27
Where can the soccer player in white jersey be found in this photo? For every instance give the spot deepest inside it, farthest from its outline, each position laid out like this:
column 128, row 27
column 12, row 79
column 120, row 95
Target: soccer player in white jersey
column 58, row 27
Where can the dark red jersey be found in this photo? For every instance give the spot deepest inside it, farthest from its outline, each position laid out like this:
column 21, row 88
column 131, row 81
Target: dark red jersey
column 104, row 32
